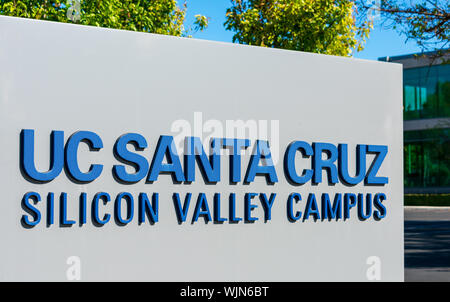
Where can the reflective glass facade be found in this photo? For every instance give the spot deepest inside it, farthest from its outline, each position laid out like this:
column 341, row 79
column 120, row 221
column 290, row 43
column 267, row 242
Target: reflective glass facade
column 427, row 158
column 426, row 92
column 427, row 152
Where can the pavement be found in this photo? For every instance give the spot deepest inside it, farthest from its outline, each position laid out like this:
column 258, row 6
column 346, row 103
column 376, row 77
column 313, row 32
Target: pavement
column 427, row 244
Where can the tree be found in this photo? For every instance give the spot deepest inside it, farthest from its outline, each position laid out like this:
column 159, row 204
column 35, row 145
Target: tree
column 425, row 21
column 155, row 16
column 321, row 26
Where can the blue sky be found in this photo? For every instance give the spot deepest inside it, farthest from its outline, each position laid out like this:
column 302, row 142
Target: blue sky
column 382, row 42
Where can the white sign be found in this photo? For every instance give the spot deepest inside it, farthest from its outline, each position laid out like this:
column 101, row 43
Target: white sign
column 133, row 156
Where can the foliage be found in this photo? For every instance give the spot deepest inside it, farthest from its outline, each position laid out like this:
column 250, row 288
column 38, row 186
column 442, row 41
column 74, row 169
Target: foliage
column 155, row 16
column 424, row 21
column 427, row 200
column 321, row 26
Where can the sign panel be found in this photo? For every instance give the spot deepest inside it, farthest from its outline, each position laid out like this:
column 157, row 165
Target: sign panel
column 133, row 156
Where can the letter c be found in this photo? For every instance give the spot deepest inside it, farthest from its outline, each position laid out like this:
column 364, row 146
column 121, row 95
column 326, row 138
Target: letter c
column 95, row 143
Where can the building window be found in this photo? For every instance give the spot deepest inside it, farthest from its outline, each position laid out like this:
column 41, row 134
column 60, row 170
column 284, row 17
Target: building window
column 426, row 92
column 427, row 158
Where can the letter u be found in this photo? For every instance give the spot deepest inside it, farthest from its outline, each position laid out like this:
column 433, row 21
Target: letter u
column 27, row 161
column 360, row 164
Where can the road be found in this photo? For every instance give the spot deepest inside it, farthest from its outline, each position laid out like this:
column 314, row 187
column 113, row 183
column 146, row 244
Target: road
column 427, row 244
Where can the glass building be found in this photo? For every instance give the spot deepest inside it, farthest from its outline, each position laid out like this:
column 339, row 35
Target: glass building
column 426, row 115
